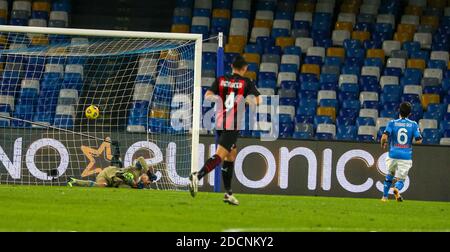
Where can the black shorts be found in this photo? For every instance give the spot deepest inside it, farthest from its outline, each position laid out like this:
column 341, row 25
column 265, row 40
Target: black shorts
column 227, row 138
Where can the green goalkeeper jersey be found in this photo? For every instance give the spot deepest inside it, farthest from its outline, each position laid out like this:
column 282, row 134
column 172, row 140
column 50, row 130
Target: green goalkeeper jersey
column 120, row 177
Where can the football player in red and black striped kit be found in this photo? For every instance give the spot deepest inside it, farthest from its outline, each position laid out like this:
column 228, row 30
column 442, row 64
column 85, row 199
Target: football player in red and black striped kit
column 230, row 91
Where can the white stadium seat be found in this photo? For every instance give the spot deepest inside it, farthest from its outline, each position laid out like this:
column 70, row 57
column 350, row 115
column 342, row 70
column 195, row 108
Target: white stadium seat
column 370, row 71
column 266, row 91
column 382, row 122
column 445, row 141
column 368, row 96
column 413, row 89
column 373, row 113
column 147, row 66
column 348, row 78
column 433, row 73
column 338, row 36
column 26, row 83
column 427, row 124
column 424, row 39
column 22, row 6
column 203, row 4
column 440, row 55
column 367, row 130
column 290, row 59
column 368, row 9
column 326, row 94
column 242, row 5
column 259, row 32
column 282, row 24
column 347, row 17
column 286, row 76
column 304, row 43
column 60, row 15
column 269, row 67
column 325, row 8
column 388, row 80
column 316, row 51
column 390, row 45
column 54, row 68
column 303, row 16
column 326, row 128
column 264, row 15
column 200, row 21
column 410, row 19
column 287, row 110
column 386, row 19
column 37, row 22
column 396, row 62
column 142, row 92
column 7, row 99
column 238, row 31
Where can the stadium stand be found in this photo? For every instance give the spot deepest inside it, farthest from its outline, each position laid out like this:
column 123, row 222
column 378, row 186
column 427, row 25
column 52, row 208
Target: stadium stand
column 353, row 62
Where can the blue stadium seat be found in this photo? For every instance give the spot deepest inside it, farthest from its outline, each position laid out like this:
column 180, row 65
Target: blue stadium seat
column 411, row 46
column 393, row 71
column 221, row 4
column 253, row 48
column 289, row 85
column 346, row 132
column 431, row 136
column 22, row 112
column 329, row 103
column 286, row 130
column 322, row 119
column 369, row 83
column 333, row 61
column 304, row 119
column 240, row 14
column 312, row 86
column 350, row 104
column 307, row 94
column 377, row 62
column 345, row 121
column 294, row 50
column 365, row 121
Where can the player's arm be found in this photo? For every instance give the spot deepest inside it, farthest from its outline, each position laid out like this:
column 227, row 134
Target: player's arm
column 384, row 140
column 211, row 94
column 253, row 97
column 385, row 137
column 417, row 135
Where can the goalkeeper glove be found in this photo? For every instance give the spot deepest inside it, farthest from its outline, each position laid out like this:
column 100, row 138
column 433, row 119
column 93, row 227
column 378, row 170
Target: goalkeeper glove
column 129, row 178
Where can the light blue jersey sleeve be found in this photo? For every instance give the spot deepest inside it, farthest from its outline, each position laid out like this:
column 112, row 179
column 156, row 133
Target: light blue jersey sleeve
column 417, row 134
column 389, row 127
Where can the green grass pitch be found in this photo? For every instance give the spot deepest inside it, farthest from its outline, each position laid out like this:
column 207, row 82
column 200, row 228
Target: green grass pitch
column 39, row 208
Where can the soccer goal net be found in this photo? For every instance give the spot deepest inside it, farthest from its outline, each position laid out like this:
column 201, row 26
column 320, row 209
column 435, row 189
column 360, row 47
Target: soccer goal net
column 145, row 85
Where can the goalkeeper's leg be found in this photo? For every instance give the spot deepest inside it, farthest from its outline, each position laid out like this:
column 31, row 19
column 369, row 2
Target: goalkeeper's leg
column 100, row 182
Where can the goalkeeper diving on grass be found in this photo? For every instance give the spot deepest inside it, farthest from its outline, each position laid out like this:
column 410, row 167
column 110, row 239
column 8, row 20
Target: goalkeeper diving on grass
column 136, row 176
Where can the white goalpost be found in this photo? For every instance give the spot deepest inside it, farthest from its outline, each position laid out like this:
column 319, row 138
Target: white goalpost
column 146, row 85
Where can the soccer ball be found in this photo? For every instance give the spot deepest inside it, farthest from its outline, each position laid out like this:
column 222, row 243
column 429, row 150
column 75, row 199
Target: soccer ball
column 92, row 112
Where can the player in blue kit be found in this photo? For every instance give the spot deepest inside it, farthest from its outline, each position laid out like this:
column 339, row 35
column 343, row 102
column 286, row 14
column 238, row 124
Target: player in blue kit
column 400, row 134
